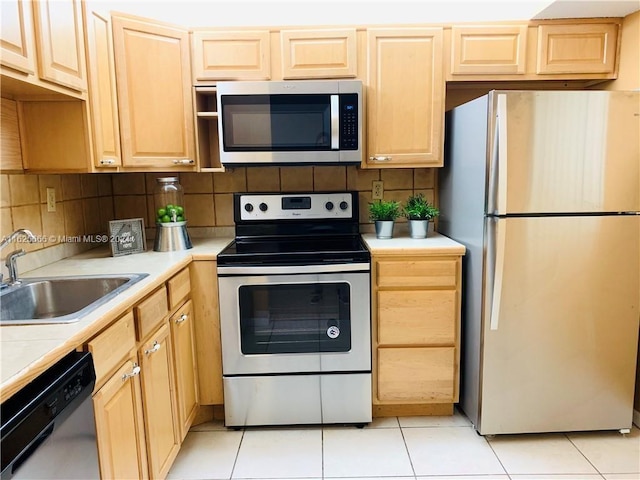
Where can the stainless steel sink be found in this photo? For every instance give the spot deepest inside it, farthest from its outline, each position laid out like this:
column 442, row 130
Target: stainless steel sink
column 60, row 299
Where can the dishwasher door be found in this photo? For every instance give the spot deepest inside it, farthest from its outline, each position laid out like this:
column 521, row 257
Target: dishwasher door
column 48, row 428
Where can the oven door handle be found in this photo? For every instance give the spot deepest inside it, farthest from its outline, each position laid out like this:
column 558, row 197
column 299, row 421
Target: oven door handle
column 293, row 269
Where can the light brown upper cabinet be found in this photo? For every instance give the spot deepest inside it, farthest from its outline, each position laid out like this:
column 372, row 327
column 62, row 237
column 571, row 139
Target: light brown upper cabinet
column 405, row 97
column 60, row 42
column 577, row 48
column 487, row 50
column 17, row 49
column 10, row 149
column 153, row 80
column 103, row 97
column 231, row 55
column 330, row 53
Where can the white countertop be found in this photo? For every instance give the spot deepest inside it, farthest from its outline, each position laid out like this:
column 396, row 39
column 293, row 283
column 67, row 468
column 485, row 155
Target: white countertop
column 27, row 350
column 403, row 244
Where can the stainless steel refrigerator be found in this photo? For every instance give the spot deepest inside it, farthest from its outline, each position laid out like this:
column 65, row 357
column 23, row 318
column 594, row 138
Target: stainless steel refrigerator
column 543, row 189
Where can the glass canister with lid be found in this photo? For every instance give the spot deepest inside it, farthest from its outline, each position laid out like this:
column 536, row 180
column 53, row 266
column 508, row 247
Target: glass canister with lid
column 169, row 201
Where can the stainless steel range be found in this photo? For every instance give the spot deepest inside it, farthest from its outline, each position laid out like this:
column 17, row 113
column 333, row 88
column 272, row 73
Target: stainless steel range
column 295, row 311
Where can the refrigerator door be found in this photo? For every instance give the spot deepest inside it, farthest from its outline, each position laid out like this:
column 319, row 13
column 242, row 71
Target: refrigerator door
column 560, row 324
column 561, row 152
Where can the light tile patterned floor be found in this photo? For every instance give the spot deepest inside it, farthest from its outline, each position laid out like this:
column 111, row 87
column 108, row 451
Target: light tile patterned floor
column 406, row 448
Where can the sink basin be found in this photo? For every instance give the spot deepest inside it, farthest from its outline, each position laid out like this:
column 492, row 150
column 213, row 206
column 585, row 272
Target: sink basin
column 60, row 299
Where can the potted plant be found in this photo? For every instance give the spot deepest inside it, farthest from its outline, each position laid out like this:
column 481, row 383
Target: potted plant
column 384, row 214
column 419, row 212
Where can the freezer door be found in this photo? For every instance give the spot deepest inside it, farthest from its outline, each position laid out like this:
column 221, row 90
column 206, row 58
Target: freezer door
column 559, row 152
column 560, row 324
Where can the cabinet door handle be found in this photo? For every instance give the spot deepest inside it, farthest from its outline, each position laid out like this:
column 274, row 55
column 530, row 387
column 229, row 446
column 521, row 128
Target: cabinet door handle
column 379, row 159
column 182, row 318
column 132, row 373
column 184, row 161
column 107, row 161
column 155, row 348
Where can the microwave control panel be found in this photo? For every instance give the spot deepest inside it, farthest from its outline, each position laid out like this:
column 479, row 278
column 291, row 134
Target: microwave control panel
column 349, row 121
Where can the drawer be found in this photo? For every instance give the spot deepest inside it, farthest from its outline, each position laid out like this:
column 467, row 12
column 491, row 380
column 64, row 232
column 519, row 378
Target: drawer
column 179, row 288
column 151, row 312
column 416, row 375
column 417, row 317
column 416, row 273
column 112, row 346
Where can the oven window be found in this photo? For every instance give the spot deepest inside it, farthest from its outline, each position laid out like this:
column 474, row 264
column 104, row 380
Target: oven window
column 276, row 122
column 295, row 318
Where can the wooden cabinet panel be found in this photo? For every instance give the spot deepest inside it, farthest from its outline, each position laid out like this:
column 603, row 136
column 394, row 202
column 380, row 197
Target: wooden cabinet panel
column 119, row 425
column 186, row 372
column 418, row 273
column 405, row 97
column 416, row 374
column 17, row 48
column 151, row 312
column 60, row 42
column 103, row 97
column 231, row 55
column 587, row 48
column 153, row 81
column 329, row 53
column 178, row 288
column 10, row 148
column 112, row 346
column 158, row 402
column 486, row 50
column 422, row 317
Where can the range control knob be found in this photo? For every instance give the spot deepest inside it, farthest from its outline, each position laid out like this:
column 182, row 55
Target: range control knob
column 248, row 207
column 263, row 207
column 344, row 205
column 328, row 206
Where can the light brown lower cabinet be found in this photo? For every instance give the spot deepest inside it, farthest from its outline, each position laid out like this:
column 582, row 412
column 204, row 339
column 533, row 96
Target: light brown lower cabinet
column 416, row 333
column 160, row 417
column 119, row 424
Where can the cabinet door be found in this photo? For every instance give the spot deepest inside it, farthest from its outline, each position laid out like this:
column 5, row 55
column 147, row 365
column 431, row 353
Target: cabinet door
column 419, row 374
column 327, row 53
column 103, row 99
column 17, row 49
column 60, row 43
column 158, row 399
column 587, row 48
column 488, row 50
column 228, row 55
column 184, row 352
column 120, row 426
column 405, row 97
column 153, row 81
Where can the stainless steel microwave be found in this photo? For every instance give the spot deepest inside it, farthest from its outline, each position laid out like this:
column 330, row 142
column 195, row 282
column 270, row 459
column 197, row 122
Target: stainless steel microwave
column 308, row 122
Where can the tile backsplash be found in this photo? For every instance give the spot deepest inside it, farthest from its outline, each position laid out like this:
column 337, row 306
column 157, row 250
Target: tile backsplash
column 86, row 202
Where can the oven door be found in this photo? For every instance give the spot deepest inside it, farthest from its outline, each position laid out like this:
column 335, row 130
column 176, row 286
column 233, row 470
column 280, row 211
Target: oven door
column 295, row 323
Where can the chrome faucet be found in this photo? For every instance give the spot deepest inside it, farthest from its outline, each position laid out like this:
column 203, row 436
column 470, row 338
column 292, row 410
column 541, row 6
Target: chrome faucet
column 13, row 256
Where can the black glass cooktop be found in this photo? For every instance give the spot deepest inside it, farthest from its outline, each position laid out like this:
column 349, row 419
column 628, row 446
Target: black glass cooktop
column 295, row 251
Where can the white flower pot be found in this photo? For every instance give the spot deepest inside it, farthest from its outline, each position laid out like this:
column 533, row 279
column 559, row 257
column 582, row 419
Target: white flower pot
column 384, row 228
column 418, row 228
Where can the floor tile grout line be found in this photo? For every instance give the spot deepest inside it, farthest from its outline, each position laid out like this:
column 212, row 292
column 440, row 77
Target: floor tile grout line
column 406, row 447
column 235, row 460
column 583, row 455
column 496, row 454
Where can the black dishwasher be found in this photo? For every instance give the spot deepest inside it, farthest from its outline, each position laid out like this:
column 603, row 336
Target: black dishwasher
column 48, row 427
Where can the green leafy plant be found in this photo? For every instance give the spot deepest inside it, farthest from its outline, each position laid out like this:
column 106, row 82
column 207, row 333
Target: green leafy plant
column 418, row 208
column 384, row 210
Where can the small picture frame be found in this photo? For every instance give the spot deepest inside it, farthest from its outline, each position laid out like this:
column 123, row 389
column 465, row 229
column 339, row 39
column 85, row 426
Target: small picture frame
column 127, row 236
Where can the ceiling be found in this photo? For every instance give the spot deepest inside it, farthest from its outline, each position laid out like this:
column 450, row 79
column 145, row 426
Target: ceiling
column 214, row 13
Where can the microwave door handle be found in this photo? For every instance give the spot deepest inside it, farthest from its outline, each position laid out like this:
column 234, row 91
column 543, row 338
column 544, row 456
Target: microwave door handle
column 335, row 122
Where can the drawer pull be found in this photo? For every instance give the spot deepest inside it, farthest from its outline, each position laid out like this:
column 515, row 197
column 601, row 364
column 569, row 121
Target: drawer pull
column 184, row 161
column 107, row 161
column 132, row 373
column 155, row 348
column 379, row 159
column 182, row 318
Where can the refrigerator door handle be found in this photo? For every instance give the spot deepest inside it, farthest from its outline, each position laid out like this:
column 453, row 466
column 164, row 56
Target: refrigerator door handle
column 498, row 231
column 501, row 134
